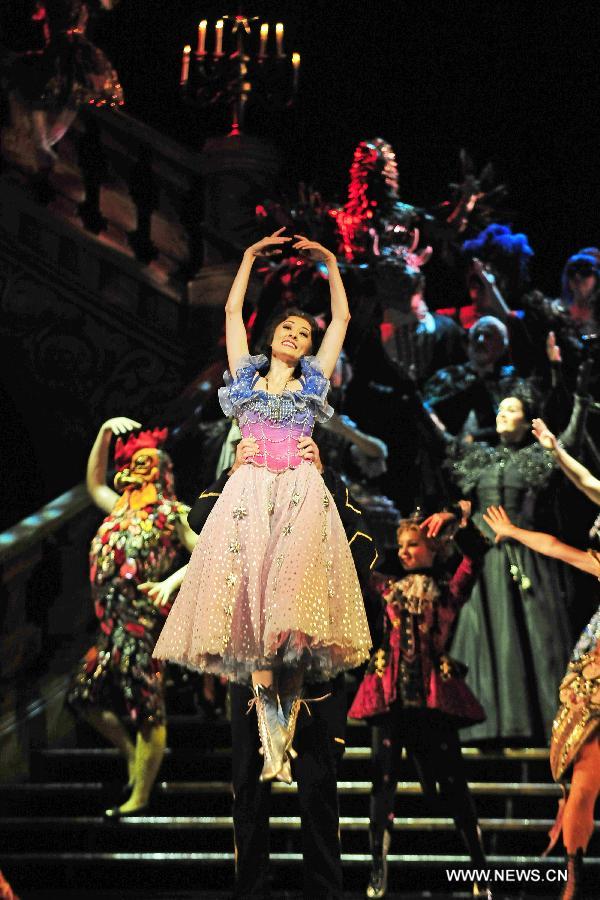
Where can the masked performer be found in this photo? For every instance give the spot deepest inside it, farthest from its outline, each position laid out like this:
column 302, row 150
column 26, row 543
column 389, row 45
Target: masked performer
column 137, row 542
column 271, row 593
column 414, row 691
column 575, row 745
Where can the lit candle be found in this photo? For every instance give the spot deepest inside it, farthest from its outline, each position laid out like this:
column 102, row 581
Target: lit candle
column 296, row 67
column 264, row 34
column 201, row 49
column 219, row 38
column 185, row 64
column 279, row 38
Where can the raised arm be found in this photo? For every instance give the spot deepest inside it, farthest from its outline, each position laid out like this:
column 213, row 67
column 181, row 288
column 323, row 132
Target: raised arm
column 235, row 329
column 340, row 313
column 97, row 464
column 496, row 303
column 581, row 477
column 543, row 543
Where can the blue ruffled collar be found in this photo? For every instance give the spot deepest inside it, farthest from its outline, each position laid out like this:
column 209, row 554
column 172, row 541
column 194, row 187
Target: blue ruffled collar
column 315, row 386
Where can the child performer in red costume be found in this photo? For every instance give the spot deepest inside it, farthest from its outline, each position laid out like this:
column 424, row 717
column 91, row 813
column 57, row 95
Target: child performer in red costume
column 413, row 691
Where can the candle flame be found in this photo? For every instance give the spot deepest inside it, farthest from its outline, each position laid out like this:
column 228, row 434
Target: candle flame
column 295, row 59
column 202, row 25
column 264, row 29
column 187, row 49
column 279, row 28
column 219, row 24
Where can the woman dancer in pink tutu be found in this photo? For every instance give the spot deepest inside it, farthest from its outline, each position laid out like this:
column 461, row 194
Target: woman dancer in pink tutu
column 271, row 593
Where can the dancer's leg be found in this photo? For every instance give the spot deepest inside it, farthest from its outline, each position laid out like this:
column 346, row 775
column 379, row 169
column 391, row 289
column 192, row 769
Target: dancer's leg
column 264, row 677
column 437, row 754
column 149, row 753
column 251, row 801
column 578, row 820
column 271, row 728
column 316, row 773
column 109, row 725
column 386, row 758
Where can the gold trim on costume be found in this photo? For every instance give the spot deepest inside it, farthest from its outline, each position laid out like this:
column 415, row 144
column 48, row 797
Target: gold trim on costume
column 349, row 505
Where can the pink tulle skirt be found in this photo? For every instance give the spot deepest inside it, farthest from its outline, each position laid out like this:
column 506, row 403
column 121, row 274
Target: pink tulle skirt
column 271, row 582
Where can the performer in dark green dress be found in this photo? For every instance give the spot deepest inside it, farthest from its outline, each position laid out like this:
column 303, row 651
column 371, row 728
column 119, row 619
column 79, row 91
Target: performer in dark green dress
column 514, row 634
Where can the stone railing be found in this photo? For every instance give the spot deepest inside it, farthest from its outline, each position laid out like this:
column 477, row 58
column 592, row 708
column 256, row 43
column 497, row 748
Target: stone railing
column 179, row 215
column 44, row 610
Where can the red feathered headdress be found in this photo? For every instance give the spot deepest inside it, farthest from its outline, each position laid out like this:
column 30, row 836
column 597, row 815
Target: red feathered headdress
column 142, row 441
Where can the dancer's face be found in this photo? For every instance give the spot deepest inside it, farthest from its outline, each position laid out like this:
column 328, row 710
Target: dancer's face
column 582, row 287
column 511, row 423
column 292, row 338
column 414, row 552
column 486, row 345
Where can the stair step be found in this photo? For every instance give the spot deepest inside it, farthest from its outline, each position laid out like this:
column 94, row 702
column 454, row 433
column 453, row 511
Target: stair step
column 497, row 788
column 179, row 763
column 174, row 823
column 201, row 798
column 351, row 859
column 356, row 752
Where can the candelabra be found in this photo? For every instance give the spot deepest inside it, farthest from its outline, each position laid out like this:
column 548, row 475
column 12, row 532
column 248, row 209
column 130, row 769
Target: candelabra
column 244, row 64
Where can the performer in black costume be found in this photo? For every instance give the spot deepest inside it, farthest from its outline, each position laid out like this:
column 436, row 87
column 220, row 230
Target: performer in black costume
column 319, row 741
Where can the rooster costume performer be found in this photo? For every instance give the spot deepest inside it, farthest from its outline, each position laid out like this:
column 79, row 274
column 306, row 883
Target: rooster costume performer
column 271, row 592
column 138, row 542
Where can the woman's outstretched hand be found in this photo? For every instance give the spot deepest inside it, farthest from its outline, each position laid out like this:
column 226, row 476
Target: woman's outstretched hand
column 313, row 250
column 270, row 245
column 497, row 518
column 542, row 433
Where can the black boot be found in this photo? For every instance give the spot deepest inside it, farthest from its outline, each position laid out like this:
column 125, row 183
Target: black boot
column 380, row 845
column 573, row 889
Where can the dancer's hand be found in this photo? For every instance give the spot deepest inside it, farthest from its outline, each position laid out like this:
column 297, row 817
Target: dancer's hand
column 159, row 592
column 245, row 450
column 542, row 433
column 497, row 518
column 481, row 271
column 268, row 246
column 313, row 250
column 552, row 349
column 309, row 451
column 120, row 425
column 435, row 523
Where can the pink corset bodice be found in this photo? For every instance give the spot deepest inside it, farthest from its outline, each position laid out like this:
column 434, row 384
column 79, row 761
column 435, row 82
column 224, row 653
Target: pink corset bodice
column 276, row 421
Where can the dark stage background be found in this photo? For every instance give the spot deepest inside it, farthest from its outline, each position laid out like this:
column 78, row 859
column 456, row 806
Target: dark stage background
column 514, row 82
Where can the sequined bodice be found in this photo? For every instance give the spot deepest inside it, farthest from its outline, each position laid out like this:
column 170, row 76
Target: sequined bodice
column 276, row 421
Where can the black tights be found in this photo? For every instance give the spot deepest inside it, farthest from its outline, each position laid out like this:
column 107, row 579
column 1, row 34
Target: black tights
column 433, row 744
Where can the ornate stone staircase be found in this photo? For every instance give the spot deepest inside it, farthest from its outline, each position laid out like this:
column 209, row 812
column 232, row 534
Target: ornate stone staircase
column 54, row 833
